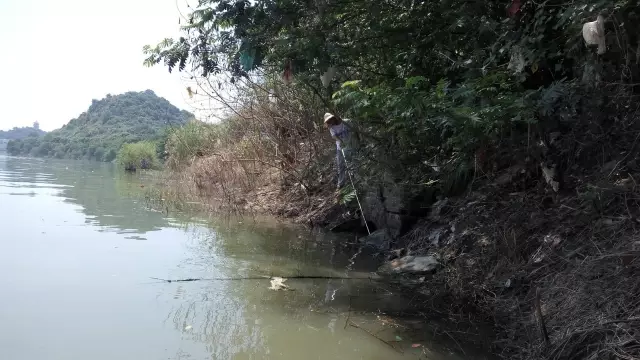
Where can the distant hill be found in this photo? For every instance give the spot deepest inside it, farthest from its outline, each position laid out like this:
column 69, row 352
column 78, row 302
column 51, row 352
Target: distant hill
column 21, row 133
column 99, row 132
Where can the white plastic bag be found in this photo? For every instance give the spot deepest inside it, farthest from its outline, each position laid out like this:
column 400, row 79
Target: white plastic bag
column 328, row 76
column 593, row 34
column 517, row 62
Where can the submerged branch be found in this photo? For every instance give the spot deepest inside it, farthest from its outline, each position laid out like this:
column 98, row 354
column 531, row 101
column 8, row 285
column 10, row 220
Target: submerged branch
column 267, row 278
column 351, row 323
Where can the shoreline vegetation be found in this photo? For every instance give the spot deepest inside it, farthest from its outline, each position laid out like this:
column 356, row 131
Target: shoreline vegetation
column 497, row 147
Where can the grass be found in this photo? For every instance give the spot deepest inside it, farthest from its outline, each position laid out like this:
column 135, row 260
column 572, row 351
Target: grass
column 194, row 139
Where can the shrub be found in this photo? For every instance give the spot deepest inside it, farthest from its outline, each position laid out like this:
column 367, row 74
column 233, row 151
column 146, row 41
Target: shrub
column 140, row 155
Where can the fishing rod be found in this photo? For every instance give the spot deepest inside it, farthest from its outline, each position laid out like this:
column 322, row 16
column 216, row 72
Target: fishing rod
column 355, row 191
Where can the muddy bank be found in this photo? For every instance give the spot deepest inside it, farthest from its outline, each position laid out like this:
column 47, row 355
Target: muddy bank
column 552, row 272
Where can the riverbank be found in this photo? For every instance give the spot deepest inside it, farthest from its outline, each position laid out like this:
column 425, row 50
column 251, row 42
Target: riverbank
column 495, row 164
column 552, row 272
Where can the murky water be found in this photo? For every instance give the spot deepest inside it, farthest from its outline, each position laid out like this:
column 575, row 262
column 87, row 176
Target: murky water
column 78, row 251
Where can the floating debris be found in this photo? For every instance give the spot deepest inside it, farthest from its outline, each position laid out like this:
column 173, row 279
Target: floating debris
column 277, row 283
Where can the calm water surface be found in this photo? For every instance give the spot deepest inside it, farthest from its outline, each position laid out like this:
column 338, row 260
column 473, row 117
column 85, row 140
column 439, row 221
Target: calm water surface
column 78, row 250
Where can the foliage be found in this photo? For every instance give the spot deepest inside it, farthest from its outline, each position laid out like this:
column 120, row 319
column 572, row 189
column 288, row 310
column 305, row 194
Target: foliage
column 21, row 133
column 139, row 155
column 418, row 120
column 379, row 41
column 429, row 84
column 99, row 132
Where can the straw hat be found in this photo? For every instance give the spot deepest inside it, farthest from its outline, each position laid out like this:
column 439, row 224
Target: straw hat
column 328, row 116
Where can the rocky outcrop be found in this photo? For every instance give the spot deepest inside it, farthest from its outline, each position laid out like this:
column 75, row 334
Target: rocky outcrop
column 387, row 208
column 380, row 240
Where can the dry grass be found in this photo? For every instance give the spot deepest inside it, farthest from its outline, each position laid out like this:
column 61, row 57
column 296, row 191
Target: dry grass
column 271, row 154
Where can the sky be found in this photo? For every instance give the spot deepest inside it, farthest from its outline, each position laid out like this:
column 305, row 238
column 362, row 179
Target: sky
column 59, row 55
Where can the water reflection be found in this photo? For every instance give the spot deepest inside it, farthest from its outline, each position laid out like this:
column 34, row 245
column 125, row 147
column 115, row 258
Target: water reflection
column 97, row 189
column 243, row 319
column 74, row 271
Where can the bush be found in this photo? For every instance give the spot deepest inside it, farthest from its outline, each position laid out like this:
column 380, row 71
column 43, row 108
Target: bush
column 140, row 155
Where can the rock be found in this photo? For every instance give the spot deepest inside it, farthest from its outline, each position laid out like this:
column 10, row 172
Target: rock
column 380, row 240
column 410, row 264
column 397, row 253
column 386, row 207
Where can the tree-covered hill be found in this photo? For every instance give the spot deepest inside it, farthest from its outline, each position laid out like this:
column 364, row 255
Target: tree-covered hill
column 22, row 132
column 99, row 132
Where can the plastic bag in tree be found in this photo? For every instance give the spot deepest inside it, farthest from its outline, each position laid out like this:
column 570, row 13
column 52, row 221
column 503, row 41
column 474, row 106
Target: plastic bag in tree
column 517, row 61
column 593, row 34
column 328, row 76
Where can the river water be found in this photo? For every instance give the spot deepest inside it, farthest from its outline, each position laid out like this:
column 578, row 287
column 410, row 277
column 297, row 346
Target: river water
column 79, row 249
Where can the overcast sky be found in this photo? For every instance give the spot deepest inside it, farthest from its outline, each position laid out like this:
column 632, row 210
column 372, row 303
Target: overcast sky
column 59, row 55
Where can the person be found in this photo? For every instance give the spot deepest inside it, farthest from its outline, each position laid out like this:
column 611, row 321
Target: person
column 340, row 132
